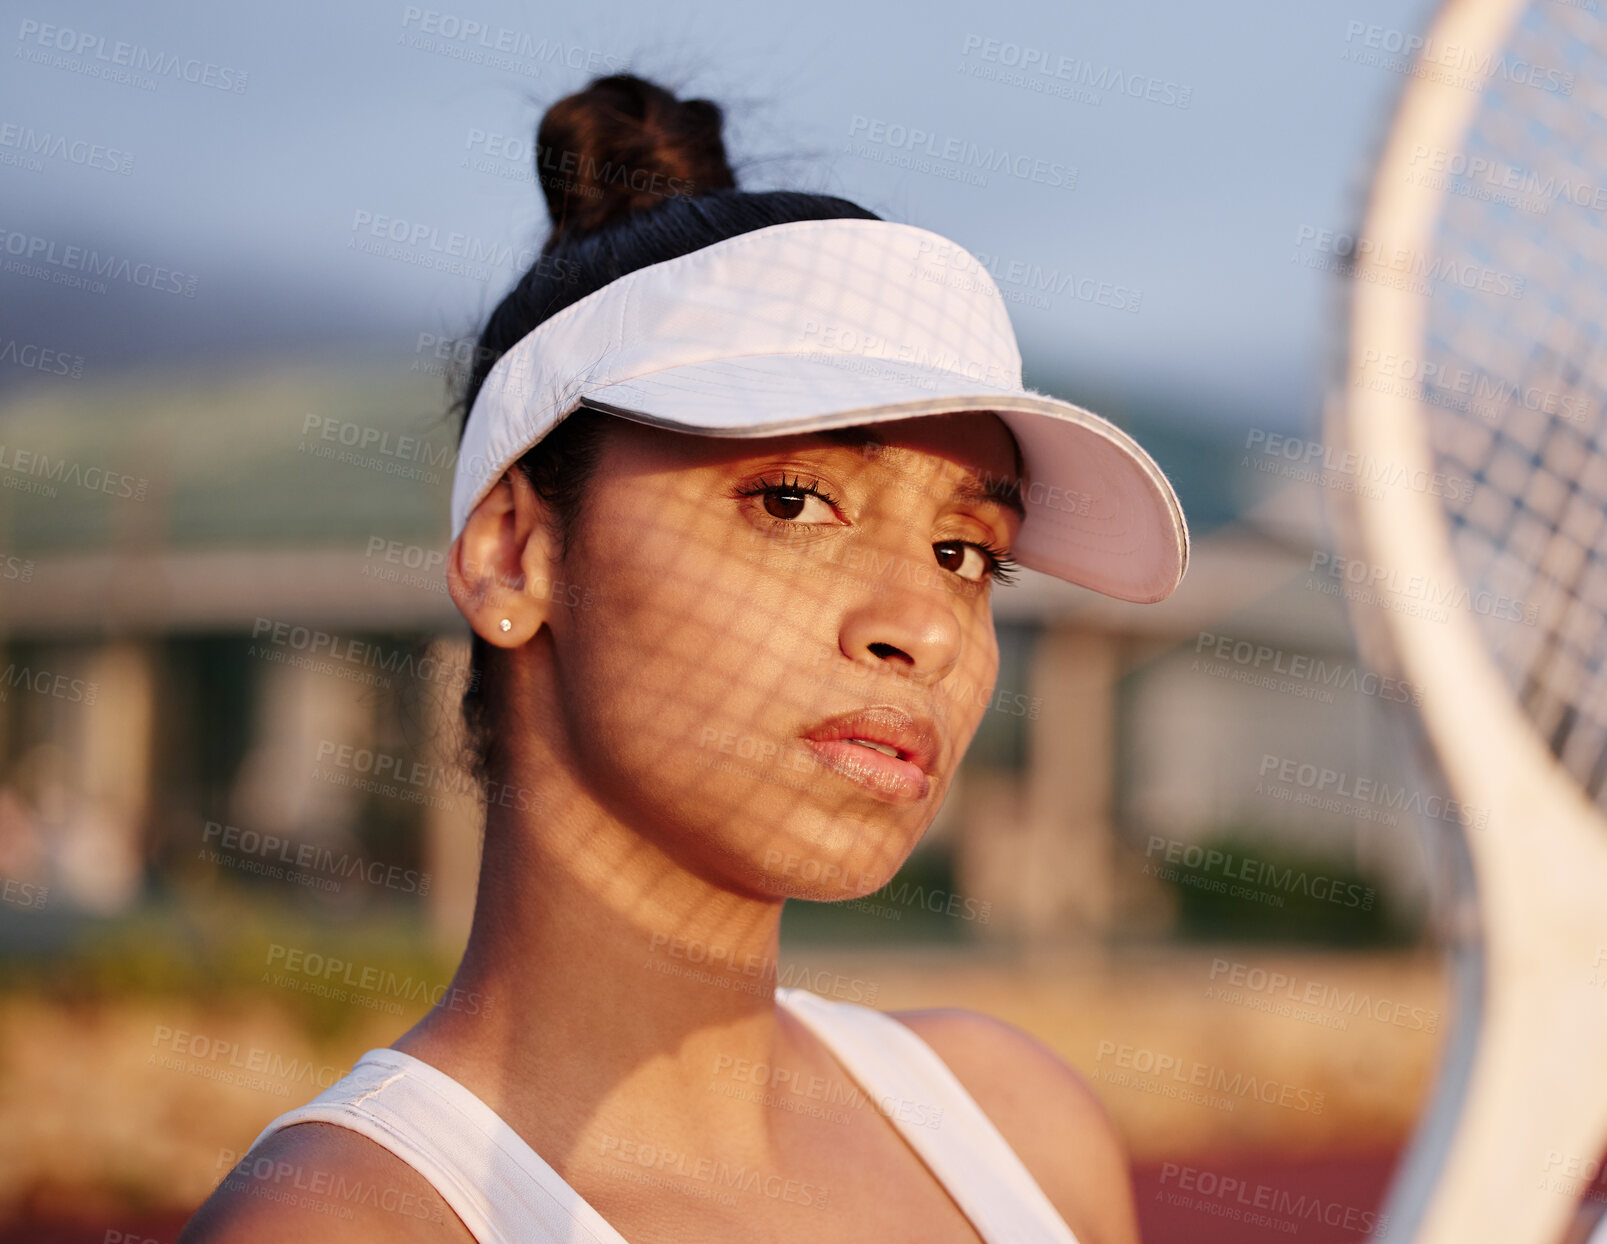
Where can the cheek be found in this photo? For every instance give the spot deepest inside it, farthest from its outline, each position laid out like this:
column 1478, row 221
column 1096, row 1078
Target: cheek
column 686, row 646
column 970, row 685
column 703, row 655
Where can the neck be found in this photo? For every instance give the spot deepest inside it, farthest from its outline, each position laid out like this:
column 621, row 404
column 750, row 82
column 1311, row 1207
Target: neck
column 615, row 987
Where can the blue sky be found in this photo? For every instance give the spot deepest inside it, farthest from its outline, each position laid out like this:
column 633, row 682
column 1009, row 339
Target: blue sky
column 254, row 180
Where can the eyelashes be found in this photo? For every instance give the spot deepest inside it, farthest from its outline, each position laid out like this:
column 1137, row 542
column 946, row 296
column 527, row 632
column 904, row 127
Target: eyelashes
column 798, row 484
column 1001, row 567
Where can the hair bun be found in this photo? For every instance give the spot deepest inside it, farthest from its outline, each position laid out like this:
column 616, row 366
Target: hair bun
column 623, row 145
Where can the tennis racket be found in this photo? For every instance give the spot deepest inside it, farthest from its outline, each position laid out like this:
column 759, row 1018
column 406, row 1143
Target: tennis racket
column 1472, row 391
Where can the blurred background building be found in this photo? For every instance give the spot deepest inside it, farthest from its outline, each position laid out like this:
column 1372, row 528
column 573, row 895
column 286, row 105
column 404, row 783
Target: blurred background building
column 270, row 600
column 233, row 264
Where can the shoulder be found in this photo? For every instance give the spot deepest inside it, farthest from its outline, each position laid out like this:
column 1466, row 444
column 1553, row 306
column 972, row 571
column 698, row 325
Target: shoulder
column 318, row 1181
column 1045, row 1111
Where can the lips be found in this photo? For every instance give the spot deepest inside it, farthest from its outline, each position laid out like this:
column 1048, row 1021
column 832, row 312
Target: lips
column 912, row 738
column 883, row 748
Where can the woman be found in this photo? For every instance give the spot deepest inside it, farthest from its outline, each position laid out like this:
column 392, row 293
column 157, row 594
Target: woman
column 730, row 617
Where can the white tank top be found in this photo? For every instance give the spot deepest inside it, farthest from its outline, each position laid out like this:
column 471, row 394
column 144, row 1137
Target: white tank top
column 506, row 1194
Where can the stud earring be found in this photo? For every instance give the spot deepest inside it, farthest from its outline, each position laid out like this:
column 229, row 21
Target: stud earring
column 505, row 624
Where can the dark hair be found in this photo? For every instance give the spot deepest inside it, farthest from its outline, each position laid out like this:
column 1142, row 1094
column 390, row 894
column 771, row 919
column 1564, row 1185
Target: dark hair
column 632, row 176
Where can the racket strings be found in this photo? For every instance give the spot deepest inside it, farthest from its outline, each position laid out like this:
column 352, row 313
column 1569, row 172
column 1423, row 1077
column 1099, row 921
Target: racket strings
column 1514, row 381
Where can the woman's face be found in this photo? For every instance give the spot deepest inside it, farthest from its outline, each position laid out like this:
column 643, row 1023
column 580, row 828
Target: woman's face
column 745, row 599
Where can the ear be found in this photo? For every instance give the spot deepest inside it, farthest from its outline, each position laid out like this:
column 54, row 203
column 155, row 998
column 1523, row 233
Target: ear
column 505, row 546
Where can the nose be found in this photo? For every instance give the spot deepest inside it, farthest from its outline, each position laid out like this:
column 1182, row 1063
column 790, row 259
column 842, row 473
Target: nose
column 904, row 625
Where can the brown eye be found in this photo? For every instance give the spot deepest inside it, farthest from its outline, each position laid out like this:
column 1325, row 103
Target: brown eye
column 784, row 502
column 965, row 560
column 789, row 503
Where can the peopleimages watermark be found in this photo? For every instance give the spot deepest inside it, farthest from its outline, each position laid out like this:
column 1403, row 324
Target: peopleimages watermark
column 133, row 64
column 814, row 1095
column 1453, row 64
column 416, row 781
column 1571, row 1175
column 27, row 895
column 1016, row 280
column 1598, row 978
column 228, row 1062
column 321, row 1191
column 1464, row 388
column 1333, row 790
column 704, row 1177
column 1068, row 77
column 1404, row 268
column 864, row 566
column 452, row 251
column 22, row 146
column 436, row 355
column 1281, row 993
column 1033, row 493
column 1200, row 863
column 57, row 686
column 990, row 699
column 958, row 159
column 901, row 893
column 1294, row 673
column 503, row 155
column 363, row 984
column 303, row 862
column 1228, row 1197
column 792, row 766
column 934, row 899
column 834, row 340
column 81, row 267
column 35, row 471
column 361, row 661
column 374, row 448
column 1187, row 1079
column 1416, row 594
column 782, row 1089
column 1314, row 462
column 14, row 569
column 40, row 358
column 817, row 872
column 763, row 973
column 1483, row 177
column 579, row 173
column 512, row 48
column 413, row 565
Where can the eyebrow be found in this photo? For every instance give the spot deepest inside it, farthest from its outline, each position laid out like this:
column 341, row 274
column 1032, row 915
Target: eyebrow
column 1005, row 492
column 975, row 487
column 851, row 438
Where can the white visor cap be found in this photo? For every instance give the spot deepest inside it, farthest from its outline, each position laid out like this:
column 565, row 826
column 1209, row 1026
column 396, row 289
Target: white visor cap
column 822, row 324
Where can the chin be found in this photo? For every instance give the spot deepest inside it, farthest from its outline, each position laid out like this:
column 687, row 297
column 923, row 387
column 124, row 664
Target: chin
column 779, row 824
column 828, row 856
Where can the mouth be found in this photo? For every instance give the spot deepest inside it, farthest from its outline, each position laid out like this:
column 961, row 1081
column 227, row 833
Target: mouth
column 884, row 749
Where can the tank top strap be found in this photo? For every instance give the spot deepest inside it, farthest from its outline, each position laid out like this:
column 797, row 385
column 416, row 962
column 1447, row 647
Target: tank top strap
column 496, row 1183
column 505, row 1193
column 916, row 1091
